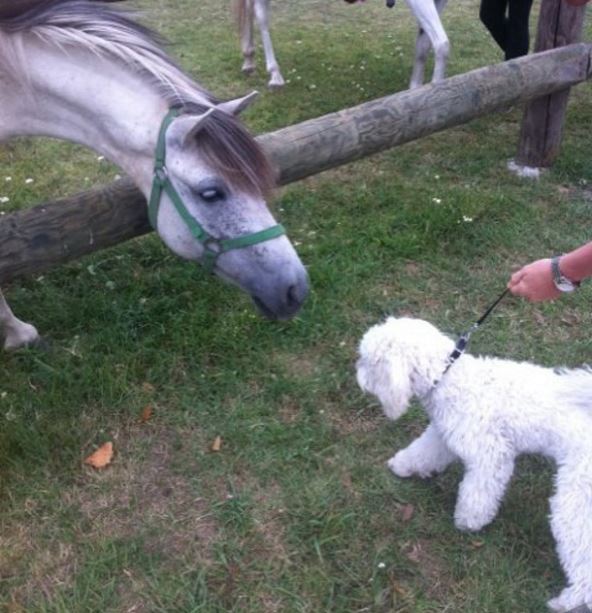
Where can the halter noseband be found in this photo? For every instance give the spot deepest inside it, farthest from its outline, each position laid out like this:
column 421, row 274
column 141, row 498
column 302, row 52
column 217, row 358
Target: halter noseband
column 213, row 247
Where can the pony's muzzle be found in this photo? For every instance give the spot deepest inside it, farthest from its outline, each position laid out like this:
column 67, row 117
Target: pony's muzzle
column 284, row 297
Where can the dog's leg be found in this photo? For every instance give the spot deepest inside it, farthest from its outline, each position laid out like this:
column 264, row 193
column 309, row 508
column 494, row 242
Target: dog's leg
column 426, row 455
column 571, row 508
column 483, row 486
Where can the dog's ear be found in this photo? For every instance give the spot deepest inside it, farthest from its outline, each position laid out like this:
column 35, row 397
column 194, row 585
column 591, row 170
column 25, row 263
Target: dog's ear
column 388, row 380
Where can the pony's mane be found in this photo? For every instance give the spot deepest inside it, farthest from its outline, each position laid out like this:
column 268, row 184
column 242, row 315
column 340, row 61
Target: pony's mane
column 95, row 26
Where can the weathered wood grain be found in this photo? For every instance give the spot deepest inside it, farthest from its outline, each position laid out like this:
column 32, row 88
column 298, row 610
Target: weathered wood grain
column 36, row 239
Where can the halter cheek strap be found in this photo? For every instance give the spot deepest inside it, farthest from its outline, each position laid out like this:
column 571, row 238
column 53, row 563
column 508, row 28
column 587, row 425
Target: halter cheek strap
column 213, row 247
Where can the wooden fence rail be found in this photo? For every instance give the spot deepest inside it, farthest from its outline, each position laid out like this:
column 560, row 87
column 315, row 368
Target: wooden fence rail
column 39, row 238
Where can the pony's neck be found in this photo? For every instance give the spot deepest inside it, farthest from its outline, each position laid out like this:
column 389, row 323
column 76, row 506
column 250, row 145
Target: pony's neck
column 94, row 101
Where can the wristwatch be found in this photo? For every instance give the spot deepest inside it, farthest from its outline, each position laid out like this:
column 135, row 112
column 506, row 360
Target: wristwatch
column 562, row 283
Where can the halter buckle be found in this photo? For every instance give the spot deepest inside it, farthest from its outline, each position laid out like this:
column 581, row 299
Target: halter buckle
column 161, row 174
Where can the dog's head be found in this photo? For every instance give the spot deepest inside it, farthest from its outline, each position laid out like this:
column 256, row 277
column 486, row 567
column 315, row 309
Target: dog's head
column 399, row 359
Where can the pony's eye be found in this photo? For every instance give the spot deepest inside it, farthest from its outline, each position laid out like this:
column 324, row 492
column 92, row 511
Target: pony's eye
column 212, row 194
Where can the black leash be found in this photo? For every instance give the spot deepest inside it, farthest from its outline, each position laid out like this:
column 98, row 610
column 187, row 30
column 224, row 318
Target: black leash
column 463, row 341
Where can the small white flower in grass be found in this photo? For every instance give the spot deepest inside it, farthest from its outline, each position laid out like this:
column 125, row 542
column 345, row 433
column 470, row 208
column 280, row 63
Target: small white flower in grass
column 8, row 179
column 117, row 177
column 100, row 158
column 3, row 395
column 381, row 565
column 467, row 219
column 110, row 285
column 312, row 86
column 436, row 200
column 4, row 199
column 436, row 177
column 28, row 181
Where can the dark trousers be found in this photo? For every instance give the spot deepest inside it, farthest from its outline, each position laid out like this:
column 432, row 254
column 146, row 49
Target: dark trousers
column 507, row 21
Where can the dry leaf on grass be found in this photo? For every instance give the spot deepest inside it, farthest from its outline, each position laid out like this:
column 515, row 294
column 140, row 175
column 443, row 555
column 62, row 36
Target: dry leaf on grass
column 407, row 511
column 148, row 387
column 101, row 457
column 146, row 414
column 217, row 444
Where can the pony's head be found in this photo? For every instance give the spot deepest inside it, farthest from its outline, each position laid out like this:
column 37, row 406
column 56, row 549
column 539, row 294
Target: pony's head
column 208, row 204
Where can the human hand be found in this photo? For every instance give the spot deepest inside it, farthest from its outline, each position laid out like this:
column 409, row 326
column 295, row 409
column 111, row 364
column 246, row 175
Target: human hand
column 534, row 282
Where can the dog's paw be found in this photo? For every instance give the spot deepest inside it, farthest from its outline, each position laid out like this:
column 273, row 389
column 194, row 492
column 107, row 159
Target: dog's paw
column 568, row 602
column 399, row 465
column 470, row 522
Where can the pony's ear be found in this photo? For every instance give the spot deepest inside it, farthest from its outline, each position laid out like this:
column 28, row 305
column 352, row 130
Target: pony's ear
column 185, row 127
column 238, row 105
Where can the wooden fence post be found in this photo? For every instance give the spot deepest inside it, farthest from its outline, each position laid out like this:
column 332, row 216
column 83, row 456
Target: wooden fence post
column 542, row 124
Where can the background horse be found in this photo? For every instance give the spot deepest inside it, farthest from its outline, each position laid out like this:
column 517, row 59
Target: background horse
column 82, row 71
column 431, row 33
column 247, row 10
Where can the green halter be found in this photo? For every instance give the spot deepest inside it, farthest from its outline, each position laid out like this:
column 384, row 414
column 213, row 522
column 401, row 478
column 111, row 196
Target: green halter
column 213, row 247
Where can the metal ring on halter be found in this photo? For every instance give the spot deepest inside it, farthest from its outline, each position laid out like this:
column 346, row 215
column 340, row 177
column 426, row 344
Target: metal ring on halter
column 161, row 173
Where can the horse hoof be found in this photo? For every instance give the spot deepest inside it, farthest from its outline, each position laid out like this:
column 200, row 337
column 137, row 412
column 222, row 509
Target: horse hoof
column 275, row 84
column 248, row 69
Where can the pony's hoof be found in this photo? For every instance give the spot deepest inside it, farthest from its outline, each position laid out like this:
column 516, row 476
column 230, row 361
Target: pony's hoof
column 25, row 336
column 248, row 69
column 276, row 84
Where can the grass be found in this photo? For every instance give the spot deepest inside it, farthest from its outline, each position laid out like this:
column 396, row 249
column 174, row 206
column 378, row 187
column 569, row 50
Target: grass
column 297, row 511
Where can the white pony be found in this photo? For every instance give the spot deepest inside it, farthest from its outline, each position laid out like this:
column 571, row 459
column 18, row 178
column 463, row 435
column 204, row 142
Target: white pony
column 431, row 34
column 82, row 71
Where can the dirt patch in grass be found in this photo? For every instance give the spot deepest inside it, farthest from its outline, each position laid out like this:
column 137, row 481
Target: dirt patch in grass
column 350, row 422
column 434, row 573
column 141, row 492
column 140, row 497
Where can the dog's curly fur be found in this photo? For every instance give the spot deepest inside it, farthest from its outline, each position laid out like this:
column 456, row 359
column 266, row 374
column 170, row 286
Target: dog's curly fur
column 485, row 412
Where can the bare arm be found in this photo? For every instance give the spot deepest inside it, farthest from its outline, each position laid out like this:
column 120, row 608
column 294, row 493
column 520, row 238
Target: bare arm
column 535, row 280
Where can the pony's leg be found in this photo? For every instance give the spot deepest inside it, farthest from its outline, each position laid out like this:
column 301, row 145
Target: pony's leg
column 426, row 455
column 246, row 35
column 427, row 13
column 17, row 333
column 571, row 508
column 262, row 16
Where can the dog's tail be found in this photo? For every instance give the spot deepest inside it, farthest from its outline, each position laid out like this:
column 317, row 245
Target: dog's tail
column 575, row 386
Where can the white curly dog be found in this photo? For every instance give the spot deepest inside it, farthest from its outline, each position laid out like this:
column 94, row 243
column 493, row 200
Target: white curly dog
column 485, row 412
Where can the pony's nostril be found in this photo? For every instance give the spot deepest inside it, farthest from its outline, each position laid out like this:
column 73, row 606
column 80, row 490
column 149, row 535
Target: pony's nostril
column 292, row 296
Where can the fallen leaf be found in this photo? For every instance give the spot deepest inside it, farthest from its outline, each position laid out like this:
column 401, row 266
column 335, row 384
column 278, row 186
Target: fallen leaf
column 539, row 317
column 399, row 589
column 148, row 387
column 146, row 414
column 407, row 511
column 101, row 457
column 415, row 553
column 217, row 444
column 477, row 544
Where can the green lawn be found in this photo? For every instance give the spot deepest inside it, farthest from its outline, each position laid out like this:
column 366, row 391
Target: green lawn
column 297, row 511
